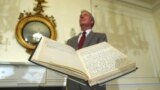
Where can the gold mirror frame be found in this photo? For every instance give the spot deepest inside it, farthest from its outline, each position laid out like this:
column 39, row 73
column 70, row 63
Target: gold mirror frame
column 28, row 17
column 36, row 18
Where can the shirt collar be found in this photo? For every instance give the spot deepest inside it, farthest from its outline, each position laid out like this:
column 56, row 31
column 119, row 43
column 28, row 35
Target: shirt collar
column 87, row 31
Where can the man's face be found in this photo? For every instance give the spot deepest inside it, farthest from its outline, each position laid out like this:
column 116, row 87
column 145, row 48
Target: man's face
column 85, row 19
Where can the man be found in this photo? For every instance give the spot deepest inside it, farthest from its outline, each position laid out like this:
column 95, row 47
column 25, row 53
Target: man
column 86, row 38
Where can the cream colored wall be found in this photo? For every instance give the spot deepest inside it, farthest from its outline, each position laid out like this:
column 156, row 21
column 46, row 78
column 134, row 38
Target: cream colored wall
column 65, row 12
column 133, row 31
column 10, row 49
column 156, row 13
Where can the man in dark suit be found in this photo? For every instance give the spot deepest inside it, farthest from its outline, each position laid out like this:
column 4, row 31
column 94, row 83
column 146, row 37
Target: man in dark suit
column 86, row 38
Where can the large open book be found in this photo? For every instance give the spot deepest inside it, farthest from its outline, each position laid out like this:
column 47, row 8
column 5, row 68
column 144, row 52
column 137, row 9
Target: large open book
column 94, row 64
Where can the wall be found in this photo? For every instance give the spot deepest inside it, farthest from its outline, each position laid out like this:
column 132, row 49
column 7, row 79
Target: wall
column 133, row 31
column 156, row 13
column 65, row 12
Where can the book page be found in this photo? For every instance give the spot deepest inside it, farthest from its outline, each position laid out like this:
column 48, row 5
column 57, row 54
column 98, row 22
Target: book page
column 101, row 59
column 59, row 54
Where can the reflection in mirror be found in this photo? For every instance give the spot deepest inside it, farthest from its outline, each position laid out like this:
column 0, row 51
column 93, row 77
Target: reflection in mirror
column 34, row 30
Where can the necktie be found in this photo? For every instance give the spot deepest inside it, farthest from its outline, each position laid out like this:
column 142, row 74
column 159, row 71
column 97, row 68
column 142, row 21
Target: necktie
column 82, row 39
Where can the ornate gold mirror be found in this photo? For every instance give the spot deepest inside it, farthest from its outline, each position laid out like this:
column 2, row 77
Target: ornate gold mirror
column 32, row 26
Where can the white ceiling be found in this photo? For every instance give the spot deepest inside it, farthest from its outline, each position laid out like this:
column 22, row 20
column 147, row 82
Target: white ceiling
column 149, row 4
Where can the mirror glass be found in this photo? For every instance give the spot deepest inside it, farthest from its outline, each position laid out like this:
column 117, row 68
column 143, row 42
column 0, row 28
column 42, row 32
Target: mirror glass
column 33, row 31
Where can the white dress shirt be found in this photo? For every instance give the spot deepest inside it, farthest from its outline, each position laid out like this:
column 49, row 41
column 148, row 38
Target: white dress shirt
column 87, row 32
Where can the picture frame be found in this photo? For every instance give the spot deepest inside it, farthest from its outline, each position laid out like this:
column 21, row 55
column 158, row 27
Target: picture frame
column 33, row 25
column 30, row 29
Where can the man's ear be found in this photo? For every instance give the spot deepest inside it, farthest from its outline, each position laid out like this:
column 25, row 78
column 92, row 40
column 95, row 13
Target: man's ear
column 92, row 23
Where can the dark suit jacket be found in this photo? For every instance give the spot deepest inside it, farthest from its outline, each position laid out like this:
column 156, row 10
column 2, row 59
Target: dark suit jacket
column 91, row 39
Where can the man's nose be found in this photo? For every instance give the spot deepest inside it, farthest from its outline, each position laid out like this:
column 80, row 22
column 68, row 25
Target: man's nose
column 81, row 17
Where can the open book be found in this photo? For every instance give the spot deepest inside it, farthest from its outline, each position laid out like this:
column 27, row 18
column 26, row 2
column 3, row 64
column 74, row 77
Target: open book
column 94, row 64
